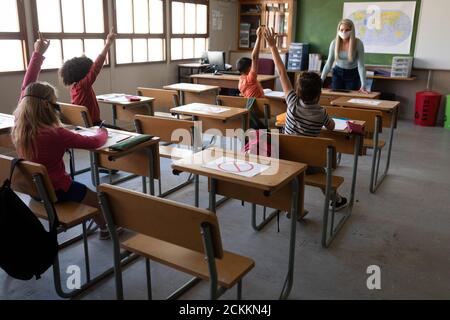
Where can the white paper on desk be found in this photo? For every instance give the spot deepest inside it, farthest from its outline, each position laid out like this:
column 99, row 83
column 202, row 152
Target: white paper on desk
column 274, row 94
column 113, row 137
column 113, row 97
column 209, row 109
column 339, row 124
column 238, row 167
column 369, row 102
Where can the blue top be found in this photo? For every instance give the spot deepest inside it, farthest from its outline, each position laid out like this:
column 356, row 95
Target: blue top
column 342, row 62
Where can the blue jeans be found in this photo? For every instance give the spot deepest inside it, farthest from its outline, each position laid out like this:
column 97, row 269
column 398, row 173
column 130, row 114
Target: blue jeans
column 347, row 79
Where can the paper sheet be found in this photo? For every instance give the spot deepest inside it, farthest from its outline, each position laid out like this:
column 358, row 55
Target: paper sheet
column 339, row 124
column 274, row 94
column 113, row 97
column 237, row 167
column 113, row 137
column 208, row 109
column 369, row 102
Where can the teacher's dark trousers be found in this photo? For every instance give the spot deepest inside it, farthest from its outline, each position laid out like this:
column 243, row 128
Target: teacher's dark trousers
column 347, row 79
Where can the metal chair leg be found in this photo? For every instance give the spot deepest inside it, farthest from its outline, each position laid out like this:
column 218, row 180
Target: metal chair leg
column 149, row 279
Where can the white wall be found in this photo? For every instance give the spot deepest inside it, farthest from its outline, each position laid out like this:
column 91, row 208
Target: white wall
column 123, row 78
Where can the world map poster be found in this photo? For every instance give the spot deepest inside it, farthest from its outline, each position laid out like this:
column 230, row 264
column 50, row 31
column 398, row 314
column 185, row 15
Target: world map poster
column 384, row 27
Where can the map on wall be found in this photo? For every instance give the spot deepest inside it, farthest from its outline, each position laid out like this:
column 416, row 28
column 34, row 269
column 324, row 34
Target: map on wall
column 384, row 27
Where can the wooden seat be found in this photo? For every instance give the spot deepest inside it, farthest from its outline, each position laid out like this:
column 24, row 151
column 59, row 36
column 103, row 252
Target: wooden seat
column 69, row 214
column 174, row 153
column 230, row 268
column 261, row 107
column 174, row 234
column 172, row 116
column 75, row 115
column 319, row 180
column 164, row 101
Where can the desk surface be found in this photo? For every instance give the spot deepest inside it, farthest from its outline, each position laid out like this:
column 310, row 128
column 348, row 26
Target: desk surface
column 201, row 110
column 6, row 121
column 353, row 94
column 279, row 174
column 193, row 65
column 191, row 87
column 230, row 77
column 281, row 120
column 120, row 100
column 384, row 105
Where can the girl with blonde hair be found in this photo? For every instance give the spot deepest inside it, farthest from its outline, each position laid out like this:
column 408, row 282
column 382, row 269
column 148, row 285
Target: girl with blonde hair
column 347, row 53
column 39, row 136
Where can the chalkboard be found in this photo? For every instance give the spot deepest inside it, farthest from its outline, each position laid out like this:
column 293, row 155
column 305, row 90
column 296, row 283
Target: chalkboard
column 433, row 40
column 317, row 22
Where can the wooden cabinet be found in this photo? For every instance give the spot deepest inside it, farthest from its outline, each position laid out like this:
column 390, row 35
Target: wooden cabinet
column 277, row 14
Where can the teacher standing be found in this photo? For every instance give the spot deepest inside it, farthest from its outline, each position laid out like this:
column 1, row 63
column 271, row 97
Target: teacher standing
column 347, row 51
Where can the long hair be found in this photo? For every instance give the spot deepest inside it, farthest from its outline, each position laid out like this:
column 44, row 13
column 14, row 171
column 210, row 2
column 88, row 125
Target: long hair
column 352, row 45
column 34, row 112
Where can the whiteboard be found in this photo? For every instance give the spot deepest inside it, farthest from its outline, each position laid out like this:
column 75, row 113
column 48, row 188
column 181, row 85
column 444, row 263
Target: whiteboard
column 433, row 36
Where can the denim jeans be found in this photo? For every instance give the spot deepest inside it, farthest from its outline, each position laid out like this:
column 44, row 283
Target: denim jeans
column 347, row 79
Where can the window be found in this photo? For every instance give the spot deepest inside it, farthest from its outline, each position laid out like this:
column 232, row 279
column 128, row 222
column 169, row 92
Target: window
column 75, row 27
column 140, row 26
column 13, row 55
column 189, row 29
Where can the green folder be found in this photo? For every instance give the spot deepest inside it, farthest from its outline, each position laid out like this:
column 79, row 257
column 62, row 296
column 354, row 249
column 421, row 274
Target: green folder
column 131, row 142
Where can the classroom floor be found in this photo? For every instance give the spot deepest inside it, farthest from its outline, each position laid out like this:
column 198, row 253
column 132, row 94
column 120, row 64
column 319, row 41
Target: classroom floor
column 404, row 229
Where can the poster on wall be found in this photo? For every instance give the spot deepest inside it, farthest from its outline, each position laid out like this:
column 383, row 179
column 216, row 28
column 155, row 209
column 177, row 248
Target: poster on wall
column 384, row 27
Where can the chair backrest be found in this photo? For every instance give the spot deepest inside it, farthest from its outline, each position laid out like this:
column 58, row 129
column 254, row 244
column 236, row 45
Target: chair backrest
column 164, row 99
column 75, row 115
column 241, row 102
column 369, row 116
column 23, row 181
column 164, row 128
column 163, row 219
column 266, row 66
column 309, row 150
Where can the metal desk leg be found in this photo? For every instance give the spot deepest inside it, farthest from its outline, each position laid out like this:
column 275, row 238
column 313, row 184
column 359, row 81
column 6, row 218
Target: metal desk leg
column 294, row 209
column 197, row 186
column 151, row 170
column 375, row 180
column 114, row 115
column 212, row 196
column 358, row 143
column 96, row 164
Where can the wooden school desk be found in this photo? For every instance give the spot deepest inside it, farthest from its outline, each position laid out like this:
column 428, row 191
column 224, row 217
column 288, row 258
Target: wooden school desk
column 281, row 187
column 140, row 160
column 229, row 81
column 389, row 110
column 232, row 118
column 122, row 109
column 329, row 95
column 190, row 92
column 348, row 143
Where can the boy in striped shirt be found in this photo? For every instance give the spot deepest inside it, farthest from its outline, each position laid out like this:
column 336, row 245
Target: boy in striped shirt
column 304, row 114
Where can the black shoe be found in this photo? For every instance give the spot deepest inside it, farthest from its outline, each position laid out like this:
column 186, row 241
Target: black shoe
column 341, row 204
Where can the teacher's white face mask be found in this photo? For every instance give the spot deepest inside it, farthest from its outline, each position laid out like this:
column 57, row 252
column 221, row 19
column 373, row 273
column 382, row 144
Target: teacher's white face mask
column 344, row 35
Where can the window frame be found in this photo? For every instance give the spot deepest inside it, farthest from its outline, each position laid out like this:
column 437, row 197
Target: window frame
column 131, row 36
column 21, row 35
column 71, row 35
column 186, row 35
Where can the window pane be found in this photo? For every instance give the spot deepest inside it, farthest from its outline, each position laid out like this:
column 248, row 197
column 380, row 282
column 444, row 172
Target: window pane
column 124, row 12
column 155, row 49
column 156, row 16
column 176, row 49
column 188, row 48
column 123, row 51
column 177, row 17
column 93, row 14
column 49, row 15
column 72, row 48
column 9, row 19
column 140, row 50
column 202, row 19
column 53, row 56
column 200, row 47
column 11, row 56
column 141, row 16
column 72, row 15
column 93, row 47
column 189, row 18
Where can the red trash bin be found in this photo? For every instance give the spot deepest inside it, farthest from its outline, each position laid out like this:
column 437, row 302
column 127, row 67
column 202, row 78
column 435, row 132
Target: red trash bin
column 427, row 107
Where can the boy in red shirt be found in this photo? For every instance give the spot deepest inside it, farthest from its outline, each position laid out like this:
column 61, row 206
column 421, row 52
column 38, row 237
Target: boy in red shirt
column 80, row 74
column 248, row 83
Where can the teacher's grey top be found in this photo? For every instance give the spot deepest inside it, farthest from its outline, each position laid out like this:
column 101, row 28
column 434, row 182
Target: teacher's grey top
column 342, row 62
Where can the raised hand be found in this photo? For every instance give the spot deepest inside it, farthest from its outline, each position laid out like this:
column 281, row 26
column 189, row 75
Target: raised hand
column 41, row 45
column 270, row 36
column 111, row 37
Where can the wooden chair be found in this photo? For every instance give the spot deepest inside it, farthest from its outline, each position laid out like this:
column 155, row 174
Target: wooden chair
column 261, row 106
column 164, row 101
column 373, row 128
column 76, row 115
column 176, row 235
column 164, row 128
column 31, row 181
